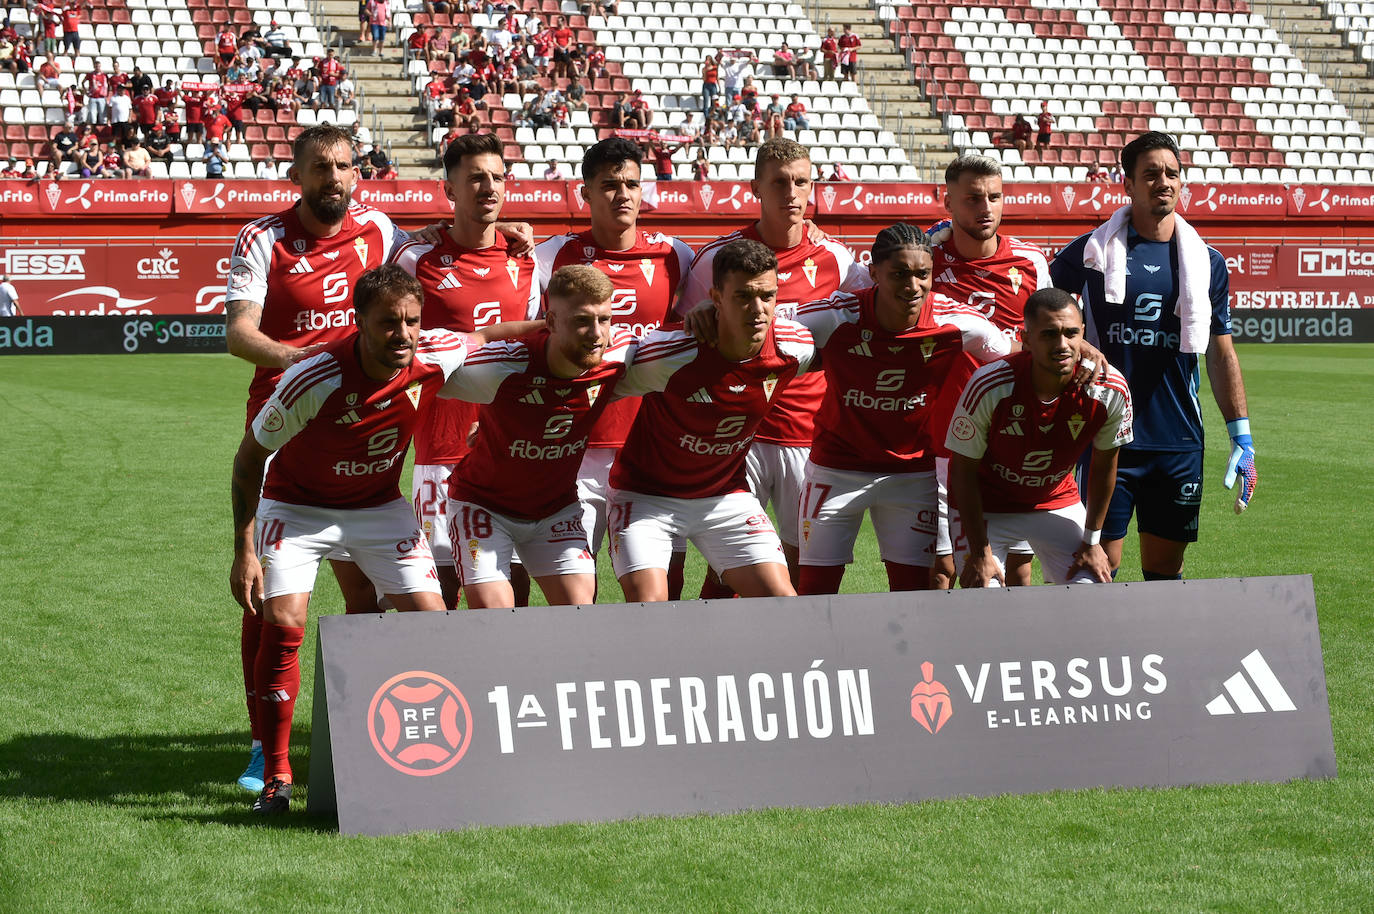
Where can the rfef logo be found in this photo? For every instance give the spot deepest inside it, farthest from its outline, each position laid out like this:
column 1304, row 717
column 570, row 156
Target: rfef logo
column 420, row 723
column 930, row 705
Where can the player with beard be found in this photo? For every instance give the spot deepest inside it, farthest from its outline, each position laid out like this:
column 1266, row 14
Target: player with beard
column 543, row 396
column 807, row 270
column 472, row 279
column 681, row 472
column 290, row 293
column 647, row 270
column 1021, row 426
column 337, row 427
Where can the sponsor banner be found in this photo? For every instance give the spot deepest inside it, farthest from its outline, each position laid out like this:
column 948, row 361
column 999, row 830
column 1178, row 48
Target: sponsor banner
column 911, row 202
column 1305, row 326
column 1244, row 201
column 107, row 335
column 1298, row 276
column 681, row 138
column 1341, row 200
column 544, row 715
column 234, row 198
column 92, row 278
column 78, row 197
column 533, row 197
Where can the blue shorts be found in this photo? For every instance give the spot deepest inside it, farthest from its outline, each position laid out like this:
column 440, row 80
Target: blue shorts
column 1162, row 488
column 379, row 33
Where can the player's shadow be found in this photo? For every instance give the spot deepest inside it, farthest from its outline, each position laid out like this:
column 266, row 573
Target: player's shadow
column 164, row 776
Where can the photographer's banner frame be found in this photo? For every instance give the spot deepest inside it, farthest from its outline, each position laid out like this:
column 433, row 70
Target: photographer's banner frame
column 562, row 714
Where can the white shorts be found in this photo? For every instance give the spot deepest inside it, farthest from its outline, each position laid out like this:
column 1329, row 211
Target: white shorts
column 1054, row 536
column 337, row 555
column 554, row 545
column 594, row 491
column 385, row 541
column 732, row 531
column 832, row 508
column 949, row 537
column 430, row 498
column 775, row 474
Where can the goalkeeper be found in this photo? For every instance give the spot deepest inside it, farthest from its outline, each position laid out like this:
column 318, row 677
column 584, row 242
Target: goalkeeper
column 1155, row 297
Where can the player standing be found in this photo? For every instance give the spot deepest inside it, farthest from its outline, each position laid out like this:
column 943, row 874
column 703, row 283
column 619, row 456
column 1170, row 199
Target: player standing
column 1154, row 296
column 682, row 469
column 888, row 353
column 807, row 270
column 1019, row 430
column 337, row 427
column 543, row 395
column 291, row 279
column 647, row 271
column 471, row 280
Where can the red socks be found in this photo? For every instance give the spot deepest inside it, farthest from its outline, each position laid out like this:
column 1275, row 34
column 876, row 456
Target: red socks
column 278, row 678
column 816, row 579
column 250, row 633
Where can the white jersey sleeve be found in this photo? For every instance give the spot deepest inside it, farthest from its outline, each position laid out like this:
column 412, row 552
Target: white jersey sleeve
column 408, row 255
column 685, row 256
column 968, row 429
column 657, row 358
column 795, row 340
column 443, row 348
column 251, row 261
column 300, row 393
column 825, row 316
column 1115, row 395
column 697, row 287
column 982, row 339
column 854, row 276
column 393, row 237
column 545, row 255
column 485, row 370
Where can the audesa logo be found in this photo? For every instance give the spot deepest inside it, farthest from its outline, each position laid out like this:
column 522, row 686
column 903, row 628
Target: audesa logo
column 420, row 724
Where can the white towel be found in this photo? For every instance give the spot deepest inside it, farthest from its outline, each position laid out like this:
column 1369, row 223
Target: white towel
column 1105, row 252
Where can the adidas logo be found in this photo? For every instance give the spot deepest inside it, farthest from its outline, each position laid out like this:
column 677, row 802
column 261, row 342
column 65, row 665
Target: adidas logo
column 701, row 396
column 947, row 277
column 1013, row 428
column 302, row 266
column 861, row 349
column 534, row 398
column 1244, row 697
column 278, row 695
column 450, row 282
column 347, row 418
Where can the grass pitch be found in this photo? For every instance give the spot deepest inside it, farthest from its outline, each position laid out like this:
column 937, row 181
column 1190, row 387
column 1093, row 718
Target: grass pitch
column 122, row 726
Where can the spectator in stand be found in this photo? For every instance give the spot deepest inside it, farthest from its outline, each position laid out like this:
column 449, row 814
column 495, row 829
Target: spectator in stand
column 1114, row 176
column 662, row 154
column 830, row 53
column 145, row 109
column 266, row 169
column 621, row 115
column 596, row 63
column 1095, row 173
column 417, row 45
column 458, row 42
column 379, row 16
column 749, row 92
column 331, row 71
column 308, row 87
column 465, row 111
column 710, row 80
column 577, row 62
column 1044, row 122
column 543, row 51
column 577, row 98
column 166, row 96
column 7, row 47
column 640, row 111
column 554, row 172
column 785, row 62
column 121, row 114
column 137, row 162
column 773, row 118
column 528, row 78
column 274, row 43
column 158, row 143
column 118, row 78
column 62, row 148
column 362, row 159
column 171, row 125
column 226, row 49
column 215, row 159
column 442, row 110
column 701, row 166
column 795, row 115
column 232, row 107
column 849, row 53
column 74, row 102
column 89, row 160
column 364, row 21
column 735, row 68
column 71, row 27
column 1019, row 135
column 727, row 135
column 138, row 80
column 49, row 75
column 806, row 62
column 97, row 85
column 284, row 96
column 236, row 73
column 439, row 49
column 216, row 124
column 559, row 112
column 716, row 117
column 111, row 163
column 195, row 115
column 345, row 91
column 839, row 173
column 387, row 171
column 50, row 23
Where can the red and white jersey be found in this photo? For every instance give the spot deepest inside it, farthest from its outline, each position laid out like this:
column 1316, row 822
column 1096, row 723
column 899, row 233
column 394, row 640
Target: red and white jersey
column 806, row 272
column 883, row 388
column 534, row 425
column 1028, row 449
column 648, row 278
column 340, row 436
column 466, row 289
column 304, row 284
column 996, row 287
column 700, row 410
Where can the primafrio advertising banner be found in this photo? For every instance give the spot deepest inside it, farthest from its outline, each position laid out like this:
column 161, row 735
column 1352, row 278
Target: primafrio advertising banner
column 446, row 720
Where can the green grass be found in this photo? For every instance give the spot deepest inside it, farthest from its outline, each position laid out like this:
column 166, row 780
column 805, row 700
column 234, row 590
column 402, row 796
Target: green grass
column 122, row 726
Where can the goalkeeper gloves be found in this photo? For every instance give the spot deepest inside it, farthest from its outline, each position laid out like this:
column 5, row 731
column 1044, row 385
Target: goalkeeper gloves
column 1242, row 463
column 940, row 232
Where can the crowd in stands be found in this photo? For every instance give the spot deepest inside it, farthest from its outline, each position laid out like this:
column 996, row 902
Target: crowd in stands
column 118, row 124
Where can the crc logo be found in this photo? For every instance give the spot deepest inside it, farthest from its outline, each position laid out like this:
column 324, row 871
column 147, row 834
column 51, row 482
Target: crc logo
column 1037, row 461
column 420, row 724
column 930, row 704
column 891, row 379
column 163, row 266
column 624, row 302
column 334, row 288
column 558, row 426
column 1148, row 306
column 383, row 442
column 485, row 314
column 730, row 426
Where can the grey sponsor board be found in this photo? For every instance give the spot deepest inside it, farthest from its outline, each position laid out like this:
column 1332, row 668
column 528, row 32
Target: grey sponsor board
column 440, row 721
column 108, row 334
column 1348, row 325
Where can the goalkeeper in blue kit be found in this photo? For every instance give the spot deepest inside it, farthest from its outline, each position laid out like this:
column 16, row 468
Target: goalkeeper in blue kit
column 1155, row 298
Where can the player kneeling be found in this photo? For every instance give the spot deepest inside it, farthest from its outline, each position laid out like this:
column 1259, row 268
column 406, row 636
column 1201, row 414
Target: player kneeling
column 340, row 423
column 515, row 493
column 1017, row 434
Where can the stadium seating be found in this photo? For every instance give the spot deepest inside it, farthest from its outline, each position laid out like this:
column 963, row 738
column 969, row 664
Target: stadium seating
column 1216, row 76
column 1354, row 18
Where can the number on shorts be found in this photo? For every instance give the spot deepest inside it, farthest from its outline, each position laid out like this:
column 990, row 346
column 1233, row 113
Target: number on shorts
column 476, row 523
column 822, row 493
column 430, row 502
column 619, row 515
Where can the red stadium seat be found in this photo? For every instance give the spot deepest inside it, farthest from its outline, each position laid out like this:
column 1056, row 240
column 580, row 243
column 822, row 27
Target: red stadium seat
column 20, row 151
column 281, row 152
column 259, row 151
column 14, row 132
column 275, row 134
